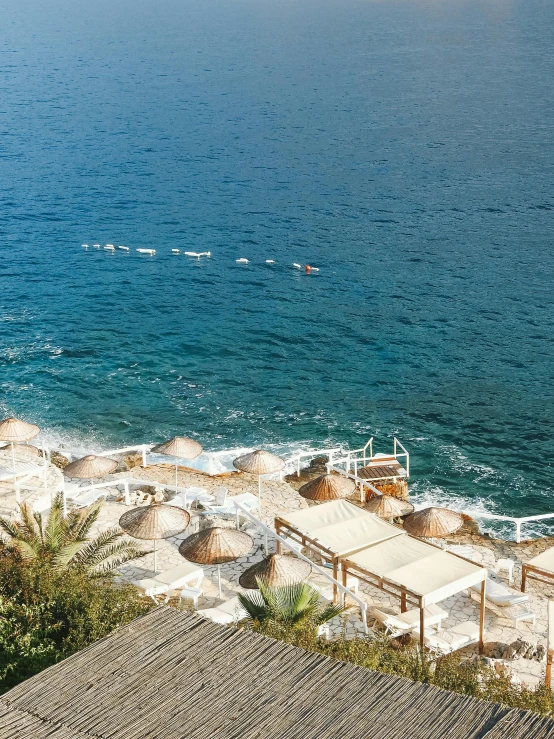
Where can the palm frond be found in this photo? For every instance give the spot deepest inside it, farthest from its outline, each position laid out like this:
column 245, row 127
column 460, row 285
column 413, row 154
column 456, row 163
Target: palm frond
column 254, row 605
column 65, row 554
column 87, row 519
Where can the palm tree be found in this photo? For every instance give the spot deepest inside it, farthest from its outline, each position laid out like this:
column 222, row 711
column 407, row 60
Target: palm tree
column 291, row 605
column 63, row 540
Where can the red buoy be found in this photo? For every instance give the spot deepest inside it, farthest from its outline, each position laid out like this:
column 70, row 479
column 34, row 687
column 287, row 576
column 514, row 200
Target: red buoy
column 308, row 269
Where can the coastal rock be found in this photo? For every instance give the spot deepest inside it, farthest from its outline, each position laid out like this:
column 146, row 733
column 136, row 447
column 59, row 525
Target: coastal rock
column 126, row 462
column 498, row 650
column 58, row 460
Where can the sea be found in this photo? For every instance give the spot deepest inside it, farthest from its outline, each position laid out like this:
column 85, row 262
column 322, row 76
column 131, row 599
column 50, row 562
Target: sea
column 405, row 149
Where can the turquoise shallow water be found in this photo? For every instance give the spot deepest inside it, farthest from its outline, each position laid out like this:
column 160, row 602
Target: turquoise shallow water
column 404, row 148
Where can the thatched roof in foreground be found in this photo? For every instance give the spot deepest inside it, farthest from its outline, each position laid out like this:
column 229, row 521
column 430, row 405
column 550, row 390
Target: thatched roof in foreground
column 171, row 675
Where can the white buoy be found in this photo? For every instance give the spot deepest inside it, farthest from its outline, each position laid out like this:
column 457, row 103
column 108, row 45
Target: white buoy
column 315, row 269
column 96, row 246
column 109, row 248
column 85, row 245
column 205, row 254
column 270, row 261
column 191, row 254
column 175, row 251
column 298, row 266
column 123, row 248
column 242, row 261
column 146, row 251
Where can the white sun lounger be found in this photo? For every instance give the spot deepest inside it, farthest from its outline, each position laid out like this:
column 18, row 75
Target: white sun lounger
column 166, row 582
column 247, row 500
column 7, row 473
column 86, row 498
column 227, row 613
column 452, row 639
column 497, row 594
column 403, row 623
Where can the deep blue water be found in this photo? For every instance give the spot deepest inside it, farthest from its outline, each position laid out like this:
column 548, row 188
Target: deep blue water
column 405, row 148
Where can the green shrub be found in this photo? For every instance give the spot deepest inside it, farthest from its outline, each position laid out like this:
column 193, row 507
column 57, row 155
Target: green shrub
column 47, row 614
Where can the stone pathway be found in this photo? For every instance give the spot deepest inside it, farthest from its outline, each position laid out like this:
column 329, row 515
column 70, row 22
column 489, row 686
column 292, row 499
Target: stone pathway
column 279, row 497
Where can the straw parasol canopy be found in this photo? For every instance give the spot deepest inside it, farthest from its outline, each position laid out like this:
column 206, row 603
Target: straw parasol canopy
column 328, row 487
column 275, row 570
column 432, row 523
column 14, row 430
column 89, row 467
column 387, row 506
column 153, row 522
column 181, row 447
column 216, row 546
column 259, row 463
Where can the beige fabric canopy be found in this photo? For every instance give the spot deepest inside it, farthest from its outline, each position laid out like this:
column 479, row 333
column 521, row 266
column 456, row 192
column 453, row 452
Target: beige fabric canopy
column 544, row 560
column 275, row 570
column 421, row 568
column 89, row 467
column 341, row 527
column 328, row 487
column 431, row 523
column 14, row 430
column 387, row 506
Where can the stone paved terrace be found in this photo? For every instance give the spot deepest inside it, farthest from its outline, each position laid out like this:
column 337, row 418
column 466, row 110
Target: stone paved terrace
column 279, row 497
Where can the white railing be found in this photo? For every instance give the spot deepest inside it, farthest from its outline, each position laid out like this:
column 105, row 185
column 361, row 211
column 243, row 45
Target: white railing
column 296, row 459
column 343, row 590
column 403, row 453
column 358, row 458
column 143, row 448
column 364, row 485
column 517, row 521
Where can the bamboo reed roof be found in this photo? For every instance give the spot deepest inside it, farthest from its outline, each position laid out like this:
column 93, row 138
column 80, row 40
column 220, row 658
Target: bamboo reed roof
column 12, row 429
column 180, row 447
column 431, row 523
column 387, row 506
column 154, row 521
column 170, row 675
column 275, row 570
column 259, row 462
column 328, row 487
column 215, row 546
column 89, row 467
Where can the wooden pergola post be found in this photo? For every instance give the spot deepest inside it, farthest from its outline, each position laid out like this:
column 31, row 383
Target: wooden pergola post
column 335, row 577
column 421, row 624
column 403, row 605
column 523, row 578
column 482, row 617
column 278, row 532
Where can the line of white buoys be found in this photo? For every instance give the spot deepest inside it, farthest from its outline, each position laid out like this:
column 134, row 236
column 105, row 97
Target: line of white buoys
column 270, row 261
column 175, row 251
column 197, row 254
column 96, row 246
column 123, row 248
column 85, row 245
column 298, row 266
column 109, row 247
column 147, row 251
column 241, row 261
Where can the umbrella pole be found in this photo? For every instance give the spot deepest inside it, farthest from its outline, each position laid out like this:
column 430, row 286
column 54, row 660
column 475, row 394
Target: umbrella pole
column 219, row 580
column 176, row 476
column 259, row 493
column 13, row 462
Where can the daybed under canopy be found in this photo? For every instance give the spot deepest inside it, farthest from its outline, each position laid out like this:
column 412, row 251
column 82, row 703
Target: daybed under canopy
column 540, row 568
column 383, row 555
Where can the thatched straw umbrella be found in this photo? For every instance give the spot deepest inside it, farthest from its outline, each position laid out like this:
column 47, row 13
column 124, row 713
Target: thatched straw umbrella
column 180, row 447
column 328, row 487
column 259, row 463
column 275, row 570
column 14, row 431
column 389, row 507
column 90, row 468
column 216, row 546
column 432, row 523
column 153, row 522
